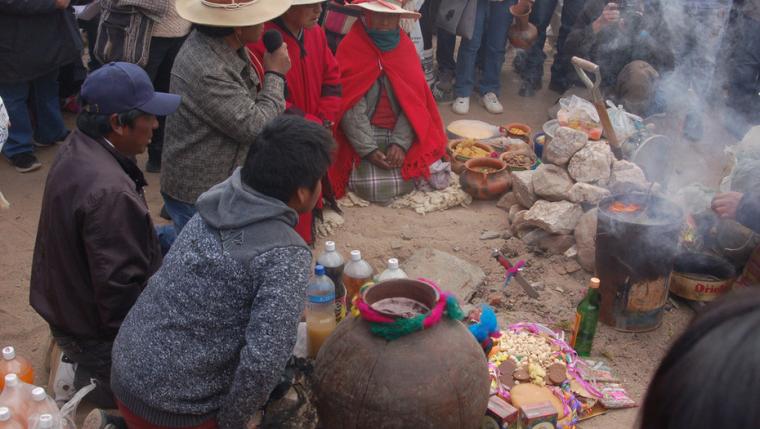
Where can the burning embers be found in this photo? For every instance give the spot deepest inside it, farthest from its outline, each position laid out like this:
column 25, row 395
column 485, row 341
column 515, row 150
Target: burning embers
column 623, row 207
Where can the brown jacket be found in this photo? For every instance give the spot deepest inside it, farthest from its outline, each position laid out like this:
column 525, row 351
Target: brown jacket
column 96, row 245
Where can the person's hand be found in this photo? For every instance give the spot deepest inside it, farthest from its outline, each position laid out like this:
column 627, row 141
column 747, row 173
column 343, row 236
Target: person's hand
column 395, row 156
column 277, row 61
column 610, row 16
column 725, row 204
column 378, row 159
column 62, row 4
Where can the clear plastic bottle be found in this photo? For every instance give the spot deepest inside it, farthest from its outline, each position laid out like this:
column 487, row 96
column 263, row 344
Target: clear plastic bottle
column 15, row 396
column 44, row 421
column 334, row 264
column 356, row 274
column 320, row 310
column 393, row 272
column 7, row 421
column 13, row 364
column 41, row 404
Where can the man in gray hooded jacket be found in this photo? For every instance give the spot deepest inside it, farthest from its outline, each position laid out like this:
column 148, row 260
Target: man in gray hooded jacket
column 211, row 334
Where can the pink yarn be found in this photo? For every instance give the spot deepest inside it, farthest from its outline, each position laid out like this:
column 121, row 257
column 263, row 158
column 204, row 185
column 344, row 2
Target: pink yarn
column 435, row 315
column 370, row 314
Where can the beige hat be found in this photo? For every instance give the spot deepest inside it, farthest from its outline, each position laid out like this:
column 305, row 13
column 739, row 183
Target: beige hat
column 231, row 13
column 303, row 2
column 384, row 6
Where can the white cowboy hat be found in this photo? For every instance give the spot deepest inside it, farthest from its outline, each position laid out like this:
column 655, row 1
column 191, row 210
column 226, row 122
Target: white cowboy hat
column 384, row 6
column 231, row 13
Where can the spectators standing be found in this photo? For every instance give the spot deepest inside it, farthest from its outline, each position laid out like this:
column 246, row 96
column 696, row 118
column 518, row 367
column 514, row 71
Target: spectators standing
column 96, row 244
column 442, row 82
column 168, row 35
column 225, row 102
column 492, row 22
column 313, row 82
column 530, row 64
column 36, row 39
column 744, row 75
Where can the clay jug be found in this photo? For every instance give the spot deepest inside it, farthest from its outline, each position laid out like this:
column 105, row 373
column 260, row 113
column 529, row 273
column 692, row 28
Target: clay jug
column 485, row 185
column 522, row 34
column 434, row 378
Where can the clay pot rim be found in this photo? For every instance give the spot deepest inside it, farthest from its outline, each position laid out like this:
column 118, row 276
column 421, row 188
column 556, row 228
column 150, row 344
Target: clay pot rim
column 502, row 165
column 532, row 154
column 408, row 284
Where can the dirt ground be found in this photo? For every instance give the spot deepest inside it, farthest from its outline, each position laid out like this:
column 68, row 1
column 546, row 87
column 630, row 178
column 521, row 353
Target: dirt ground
column 377, row 231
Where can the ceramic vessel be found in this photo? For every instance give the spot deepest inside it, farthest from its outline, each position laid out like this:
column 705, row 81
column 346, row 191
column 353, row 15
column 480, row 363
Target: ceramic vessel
column 485, row 185
column 522, row 34
column 457, row 161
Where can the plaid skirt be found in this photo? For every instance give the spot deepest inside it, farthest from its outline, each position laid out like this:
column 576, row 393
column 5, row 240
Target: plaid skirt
column 376, row 184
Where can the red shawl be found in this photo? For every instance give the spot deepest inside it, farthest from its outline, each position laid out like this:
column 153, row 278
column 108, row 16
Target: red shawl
column 361, row 64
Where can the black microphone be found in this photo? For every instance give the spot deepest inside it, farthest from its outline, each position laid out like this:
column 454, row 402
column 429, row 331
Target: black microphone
column 272, row 40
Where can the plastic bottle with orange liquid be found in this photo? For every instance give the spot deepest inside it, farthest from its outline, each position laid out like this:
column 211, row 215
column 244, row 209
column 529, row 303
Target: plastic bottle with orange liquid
column 15, row 396
column 7, row 421
column 320, row 310
column 355, row 275
column 13, row 364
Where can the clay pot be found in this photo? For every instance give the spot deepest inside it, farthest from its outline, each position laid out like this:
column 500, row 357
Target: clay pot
column 457, row 162
column 436, row 378
column 524, row 136
column 414, row 290
column 522, row 34
column 485, row 186
column 528, row 152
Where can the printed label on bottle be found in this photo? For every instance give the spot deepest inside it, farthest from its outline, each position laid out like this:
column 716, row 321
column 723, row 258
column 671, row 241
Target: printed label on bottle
column 340, row 308
column 321, row 299
column 576, row 328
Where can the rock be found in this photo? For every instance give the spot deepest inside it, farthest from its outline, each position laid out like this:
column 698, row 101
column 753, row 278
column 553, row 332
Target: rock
column 507, row 234
column 564, row 145
column 495, row 299
column 551, row 182
column 533, row 237
column 513, row 212
column 538, row 286
column 519, row 228
column 627, row 177
column 585, row 240
column 396, row 245
column 490, row 235
column 592, row 164
column 507, row 201
column 570, row 267
column 557, row 218
column 522, row 186
column 556, row 244
column 572, row 252
column 452, row 274
column 405, row 236
column 587, row 193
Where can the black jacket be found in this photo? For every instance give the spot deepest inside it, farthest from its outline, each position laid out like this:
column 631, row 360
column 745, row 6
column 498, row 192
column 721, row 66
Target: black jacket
column 613, row 48
column 96, row 245
column 35, row 39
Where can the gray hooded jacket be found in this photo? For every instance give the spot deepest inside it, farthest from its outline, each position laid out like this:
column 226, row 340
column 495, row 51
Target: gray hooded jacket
column 213, row 330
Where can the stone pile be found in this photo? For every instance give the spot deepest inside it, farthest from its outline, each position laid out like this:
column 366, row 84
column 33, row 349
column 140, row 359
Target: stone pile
column 553, row 208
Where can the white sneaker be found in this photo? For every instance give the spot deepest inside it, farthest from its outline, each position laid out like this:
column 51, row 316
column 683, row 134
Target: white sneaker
column 491, row 102
column 461, row 105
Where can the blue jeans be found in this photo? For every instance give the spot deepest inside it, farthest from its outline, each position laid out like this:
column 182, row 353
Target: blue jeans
column 166, row 236
column 492, row 21
column 744, row 77
column 179, row 211
column 43, row 94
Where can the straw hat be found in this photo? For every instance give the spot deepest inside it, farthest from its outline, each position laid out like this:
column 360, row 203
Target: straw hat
column 231, row 13
column 384, row 6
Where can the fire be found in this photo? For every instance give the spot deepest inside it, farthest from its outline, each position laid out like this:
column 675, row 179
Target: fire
column 621, row 207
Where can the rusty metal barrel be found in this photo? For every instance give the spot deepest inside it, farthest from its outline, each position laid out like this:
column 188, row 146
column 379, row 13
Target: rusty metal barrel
column 636, row 242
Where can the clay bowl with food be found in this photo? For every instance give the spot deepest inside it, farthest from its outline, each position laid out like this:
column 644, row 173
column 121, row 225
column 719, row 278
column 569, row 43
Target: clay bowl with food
column 517, row 130
column 463, row 150
column 485, row 178
column 519, row 160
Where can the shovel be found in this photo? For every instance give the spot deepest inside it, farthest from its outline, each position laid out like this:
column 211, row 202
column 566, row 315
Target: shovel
column 581, row 67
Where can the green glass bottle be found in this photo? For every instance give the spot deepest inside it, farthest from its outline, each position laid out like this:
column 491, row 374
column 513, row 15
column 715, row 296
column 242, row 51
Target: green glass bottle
column 586, row 317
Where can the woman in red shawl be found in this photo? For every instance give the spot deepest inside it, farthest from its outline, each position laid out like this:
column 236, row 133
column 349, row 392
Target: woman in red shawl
column 313, row 82
column 388, row 130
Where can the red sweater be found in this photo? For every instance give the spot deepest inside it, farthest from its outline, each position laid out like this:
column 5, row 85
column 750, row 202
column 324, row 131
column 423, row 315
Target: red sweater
column 314, row 77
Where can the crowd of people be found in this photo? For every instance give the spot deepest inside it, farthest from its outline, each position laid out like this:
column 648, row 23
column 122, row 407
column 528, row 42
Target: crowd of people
column 257, row 113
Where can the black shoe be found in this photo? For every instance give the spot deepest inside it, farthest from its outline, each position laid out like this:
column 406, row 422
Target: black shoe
column 25, row 162
column 558, row 87
column 152, row 166
column 55, row 142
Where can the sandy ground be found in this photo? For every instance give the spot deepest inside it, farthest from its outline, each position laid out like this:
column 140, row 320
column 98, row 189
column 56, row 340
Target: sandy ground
column 378, row 231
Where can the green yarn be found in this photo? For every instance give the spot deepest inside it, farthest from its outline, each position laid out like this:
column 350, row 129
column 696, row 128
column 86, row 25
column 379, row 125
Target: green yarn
column 453, row 310
column 402, row 327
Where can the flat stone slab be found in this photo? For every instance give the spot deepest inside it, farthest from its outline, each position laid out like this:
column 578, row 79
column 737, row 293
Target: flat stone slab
column 452, row 274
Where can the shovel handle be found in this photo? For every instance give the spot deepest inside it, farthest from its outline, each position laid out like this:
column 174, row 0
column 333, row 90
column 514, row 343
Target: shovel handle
column 585, row 64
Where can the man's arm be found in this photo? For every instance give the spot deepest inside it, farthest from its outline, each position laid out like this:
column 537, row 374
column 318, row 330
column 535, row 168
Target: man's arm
column 282, row 278
column 31, row 7
column 358, row 129
column 122, row 253
column 582, row 38
column 230, row 109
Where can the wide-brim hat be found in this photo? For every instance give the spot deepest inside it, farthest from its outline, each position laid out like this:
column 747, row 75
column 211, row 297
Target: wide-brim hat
column 231, row 13
column 384, row 6
column 304, row 2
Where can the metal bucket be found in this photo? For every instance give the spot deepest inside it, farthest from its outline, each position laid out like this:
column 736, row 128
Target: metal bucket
column 634, row 258
column 701, row 277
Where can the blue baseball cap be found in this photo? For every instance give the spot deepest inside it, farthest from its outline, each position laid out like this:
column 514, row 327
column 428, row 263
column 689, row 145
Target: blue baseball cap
column 119, row 87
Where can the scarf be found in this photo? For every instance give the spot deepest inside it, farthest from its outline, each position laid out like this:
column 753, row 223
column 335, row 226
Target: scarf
column 385, row 40
column 362, row 63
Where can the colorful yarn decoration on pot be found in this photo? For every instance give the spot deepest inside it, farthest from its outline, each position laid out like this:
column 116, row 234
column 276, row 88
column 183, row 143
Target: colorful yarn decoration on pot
column 391, row 329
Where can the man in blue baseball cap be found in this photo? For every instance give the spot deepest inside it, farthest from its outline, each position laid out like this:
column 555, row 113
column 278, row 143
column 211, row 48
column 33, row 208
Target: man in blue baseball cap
column 96, row 243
